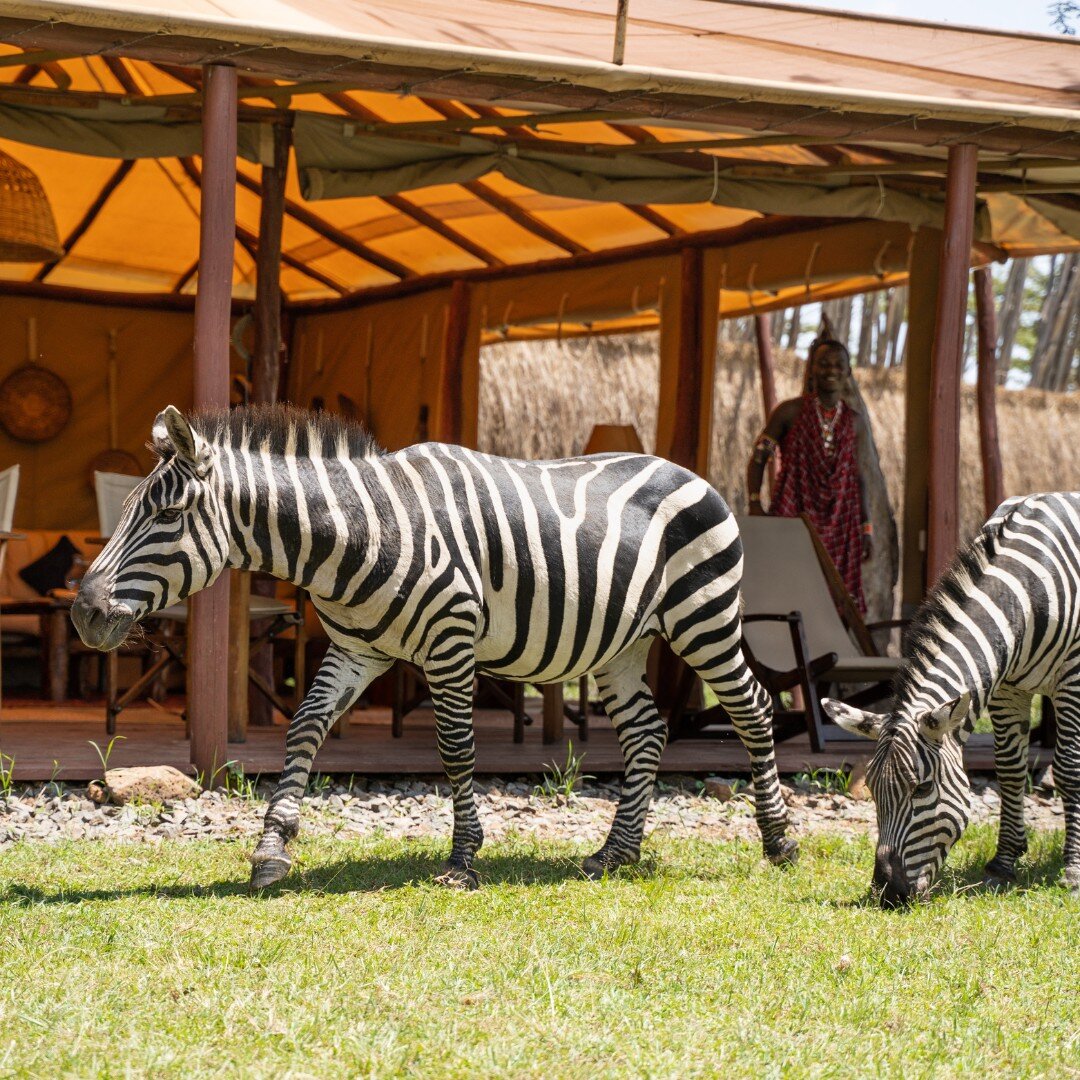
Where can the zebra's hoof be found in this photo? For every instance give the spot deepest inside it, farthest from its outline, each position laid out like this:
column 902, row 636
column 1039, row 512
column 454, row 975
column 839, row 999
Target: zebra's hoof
column 269, row 872
column 997, row 878
column 270, row 862
column 1071, row 879
column 458, row 877
column 595, row 868
column 785, row 852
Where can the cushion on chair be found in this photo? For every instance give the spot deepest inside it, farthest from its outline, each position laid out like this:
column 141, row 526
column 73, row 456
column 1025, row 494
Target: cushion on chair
column 51, row 570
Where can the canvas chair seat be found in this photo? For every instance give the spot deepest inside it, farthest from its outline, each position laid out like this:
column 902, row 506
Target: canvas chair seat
column 259, row 607
column 782, row 573
column 786, row 570
column 862, row 669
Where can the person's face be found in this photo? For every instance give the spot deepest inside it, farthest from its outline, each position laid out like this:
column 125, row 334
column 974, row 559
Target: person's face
column 830, row 369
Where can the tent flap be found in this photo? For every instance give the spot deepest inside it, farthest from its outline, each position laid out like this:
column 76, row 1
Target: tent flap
column 127, row 132
column 334, row 162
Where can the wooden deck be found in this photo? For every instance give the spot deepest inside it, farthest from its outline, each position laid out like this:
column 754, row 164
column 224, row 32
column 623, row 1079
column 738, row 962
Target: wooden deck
column 49, row 741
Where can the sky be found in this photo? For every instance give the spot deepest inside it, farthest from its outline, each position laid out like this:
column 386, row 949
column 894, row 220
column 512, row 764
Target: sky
column 1031, row 15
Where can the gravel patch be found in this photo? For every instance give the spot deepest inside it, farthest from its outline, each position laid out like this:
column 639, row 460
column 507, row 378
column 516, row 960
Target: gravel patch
column 421, row 808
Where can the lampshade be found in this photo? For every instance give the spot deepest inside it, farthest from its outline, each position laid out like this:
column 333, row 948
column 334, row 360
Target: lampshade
column 27, row 227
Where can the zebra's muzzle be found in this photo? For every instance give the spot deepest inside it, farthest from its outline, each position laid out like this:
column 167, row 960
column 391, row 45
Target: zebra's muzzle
column 101, row 623
column 890, row 879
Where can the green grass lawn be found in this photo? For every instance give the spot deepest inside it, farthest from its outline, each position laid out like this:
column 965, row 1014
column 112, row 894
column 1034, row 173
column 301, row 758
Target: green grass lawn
column 152, row 960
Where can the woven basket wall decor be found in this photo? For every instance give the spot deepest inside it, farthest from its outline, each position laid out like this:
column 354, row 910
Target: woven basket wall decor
column 27, row 226
column 35, row 404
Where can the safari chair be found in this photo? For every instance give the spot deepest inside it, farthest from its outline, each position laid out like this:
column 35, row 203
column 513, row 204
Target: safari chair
column 9, row 489
column 801, row 629
column 274, row 615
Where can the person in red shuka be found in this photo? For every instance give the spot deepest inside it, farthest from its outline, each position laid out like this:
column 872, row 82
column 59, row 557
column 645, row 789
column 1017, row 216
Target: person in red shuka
column 817, row 436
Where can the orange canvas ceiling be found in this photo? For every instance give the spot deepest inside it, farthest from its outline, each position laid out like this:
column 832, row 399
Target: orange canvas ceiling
column 477, row 191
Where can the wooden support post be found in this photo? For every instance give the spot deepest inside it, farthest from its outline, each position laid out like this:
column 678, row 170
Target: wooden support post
column 686, row 435
column 208, row 627
column 922, row 302
column 266, row 359
column 768, row 377
column 239, row 652
column 450, row 412
column 943, row 531
column 684, row 415
column 765, row 364
column 986, row 385
column 265, row 380
column 553, row 713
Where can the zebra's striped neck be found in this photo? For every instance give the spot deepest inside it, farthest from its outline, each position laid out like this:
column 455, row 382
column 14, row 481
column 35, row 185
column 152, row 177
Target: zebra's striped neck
column 292, row 514
column 955, row 645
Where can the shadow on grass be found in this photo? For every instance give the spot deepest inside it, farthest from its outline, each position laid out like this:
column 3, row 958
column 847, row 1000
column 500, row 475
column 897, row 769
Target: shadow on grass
column 372, row 873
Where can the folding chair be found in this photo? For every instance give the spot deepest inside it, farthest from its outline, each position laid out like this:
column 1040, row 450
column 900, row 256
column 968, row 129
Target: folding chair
column 802, row 629
column 9, row 489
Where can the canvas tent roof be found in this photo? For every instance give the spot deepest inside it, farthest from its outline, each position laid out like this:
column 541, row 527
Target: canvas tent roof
column 406, row 164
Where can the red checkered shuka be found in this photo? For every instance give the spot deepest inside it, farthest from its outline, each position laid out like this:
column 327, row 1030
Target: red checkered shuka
column 825, row 487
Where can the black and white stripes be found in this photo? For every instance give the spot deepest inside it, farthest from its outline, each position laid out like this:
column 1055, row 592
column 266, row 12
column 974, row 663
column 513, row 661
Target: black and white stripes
column 1002, row 626
column 461, row 563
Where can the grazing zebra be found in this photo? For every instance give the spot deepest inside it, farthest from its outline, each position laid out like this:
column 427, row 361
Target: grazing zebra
column 1002, row 625
column 461, row 563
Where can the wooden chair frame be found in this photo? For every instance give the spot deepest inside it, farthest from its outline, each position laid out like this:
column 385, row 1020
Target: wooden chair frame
column 173, row 653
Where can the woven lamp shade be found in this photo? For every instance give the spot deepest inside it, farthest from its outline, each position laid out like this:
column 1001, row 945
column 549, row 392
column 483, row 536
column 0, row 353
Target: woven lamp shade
column 27, row 226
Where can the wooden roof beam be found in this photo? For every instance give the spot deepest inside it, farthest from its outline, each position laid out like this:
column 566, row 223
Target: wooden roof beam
column 481, row 191
column 523, row 218
column 405, row 206
column 88, row 219
column 644, row 213
column 251, row 245
column 332, row 233
column 397, row 202
column 316, row 224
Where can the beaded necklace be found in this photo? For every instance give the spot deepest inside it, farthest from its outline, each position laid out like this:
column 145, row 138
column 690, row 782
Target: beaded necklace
column 827, row 421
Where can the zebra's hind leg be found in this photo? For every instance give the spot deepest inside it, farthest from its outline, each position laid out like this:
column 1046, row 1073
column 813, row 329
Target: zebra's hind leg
column 450, row 678
column 1010, row 711
column 340, row 681
column 642, row 735
column 712, row 646
column 1067, row 778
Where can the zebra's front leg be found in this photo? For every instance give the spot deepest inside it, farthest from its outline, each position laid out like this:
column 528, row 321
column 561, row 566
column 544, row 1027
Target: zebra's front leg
column 1010, row 712
column 450, row 677
column 1067, row 778
column 340, row 681
column 642, row 735
column 720, row 661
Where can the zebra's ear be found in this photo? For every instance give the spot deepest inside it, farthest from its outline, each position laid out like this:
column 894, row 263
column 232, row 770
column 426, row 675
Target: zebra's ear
column 954, row 715
column 173, row 435
column 856, row 721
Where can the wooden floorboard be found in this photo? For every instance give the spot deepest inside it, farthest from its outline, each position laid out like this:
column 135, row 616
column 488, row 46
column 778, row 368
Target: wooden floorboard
column 55, row 741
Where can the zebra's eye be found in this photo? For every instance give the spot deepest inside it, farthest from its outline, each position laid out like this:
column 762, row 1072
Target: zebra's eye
column 923, row 789
column 169, row 517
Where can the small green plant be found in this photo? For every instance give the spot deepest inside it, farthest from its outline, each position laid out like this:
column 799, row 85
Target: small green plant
column 318, row 784
column 54, row 785
column 835, row 781
column 104, row 755
column 7, row 774
column 239, row 786
column 562, row 781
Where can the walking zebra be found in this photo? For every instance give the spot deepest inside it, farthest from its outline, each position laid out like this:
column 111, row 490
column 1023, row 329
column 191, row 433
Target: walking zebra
column 461, row 563
column 1002, row 625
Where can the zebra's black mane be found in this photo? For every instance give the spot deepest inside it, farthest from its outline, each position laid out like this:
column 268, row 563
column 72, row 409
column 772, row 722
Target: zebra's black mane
column 933, row 616
column 322, row 432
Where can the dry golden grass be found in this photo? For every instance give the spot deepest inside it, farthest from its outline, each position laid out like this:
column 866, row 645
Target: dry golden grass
column 542, row 399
